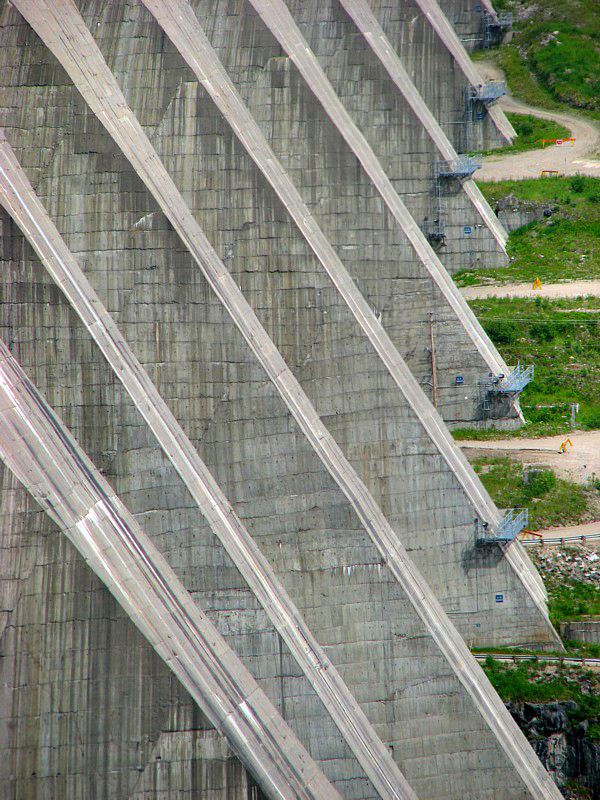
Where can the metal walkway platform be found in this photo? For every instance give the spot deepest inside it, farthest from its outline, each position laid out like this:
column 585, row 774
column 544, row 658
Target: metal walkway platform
column 506, row 531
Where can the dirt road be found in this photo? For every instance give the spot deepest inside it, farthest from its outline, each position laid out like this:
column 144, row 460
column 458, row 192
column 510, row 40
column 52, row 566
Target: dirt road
column 549, row 290
column 556, row 534
column 581, row 157
column 577, row 464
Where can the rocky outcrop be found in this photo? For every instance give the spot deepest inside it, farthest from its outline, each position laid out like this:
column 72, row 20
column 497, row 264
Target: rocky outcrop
column 514, row 213
column 560, row 738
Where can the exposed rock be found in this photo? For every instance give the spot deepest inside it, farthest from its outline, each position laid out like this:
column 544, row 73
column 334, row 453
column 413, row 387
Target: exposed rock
column 560, row 744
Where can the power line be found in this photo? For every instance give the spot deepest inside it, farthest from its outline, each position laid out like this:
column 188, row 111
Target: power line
column 541, row 321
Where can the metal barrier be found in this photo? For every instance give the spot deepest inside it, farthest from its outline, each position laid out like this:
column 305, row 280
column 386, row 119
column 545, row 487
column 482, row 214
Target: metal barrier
column 507, row 529
column 516, row 381
column 513, row 383
column 463, row 167
column 490, row 91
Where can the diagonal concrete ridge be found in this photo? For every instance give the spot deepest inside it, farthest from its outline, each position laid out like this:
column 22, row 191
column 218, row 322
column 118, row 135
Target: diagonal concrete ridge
column 277, row 18
column 441, row 25
column 367, row 24
column 69, row 39
column 179, row 22
column 64, row 32
column 46, row 459
column 19, row 199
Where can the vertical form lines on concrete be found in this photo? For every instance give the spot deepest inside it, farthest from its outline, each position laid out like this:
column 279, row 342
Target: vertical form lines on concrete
column 198, row 53
column 439, row 22
column 277, row 18
column 19, row 199
column 85, row 64
column 38, row 449
column 196, row 50
column 367, row 24
column 64, row 32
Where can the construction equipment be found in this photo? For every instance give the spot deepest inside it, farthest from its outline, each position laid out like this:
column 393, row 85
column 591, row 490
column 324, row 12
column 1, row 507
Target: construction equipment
column 527, row 534
column 537, row 284
column 563, row 445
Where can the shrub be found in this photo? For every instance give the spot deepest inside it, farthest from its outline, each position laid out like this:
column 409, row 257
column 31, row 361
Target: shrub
column 502, row 332
column 589, row 419
column 577, row 183
column 540, row 483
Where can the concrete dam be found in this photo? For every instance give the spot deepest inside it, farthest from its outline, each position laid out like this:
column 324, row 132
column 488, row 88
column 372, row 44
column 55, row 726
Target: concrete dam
column 241, row 555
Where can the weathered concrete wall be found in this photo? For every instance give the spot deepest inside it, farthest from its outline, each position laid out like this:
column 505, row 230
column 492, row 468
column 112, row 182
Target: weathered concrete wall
column 466, row 21
column 340, row 196
column 87, row 707
column 435, row 73
column 402, row 145
column 290, row 504
column 585, row 630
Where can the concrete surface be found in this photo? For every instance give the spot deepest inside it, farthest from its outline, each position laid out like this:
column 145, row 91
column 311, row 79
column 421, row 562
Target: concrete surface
column 274, row 451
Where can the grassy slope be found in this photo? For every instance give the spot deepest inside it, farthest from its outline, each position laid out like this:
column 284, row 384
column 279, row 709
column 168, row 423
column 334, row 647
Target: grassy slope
column 561, row 338
column 550, row 501
column 553, row 71
column 565, row 246
column 530, row 132
column 529, row 682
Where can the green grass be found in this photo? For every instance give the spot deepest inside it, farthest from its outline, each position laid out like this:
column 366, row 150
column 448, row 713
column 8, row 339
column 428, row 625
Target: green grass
column 565, row 246
column 550, row 501
column 530, row 132
column 551, row 71
column 561, row 339
column 572, row 650
column 573, row 601
column 569, row 599
column 530, row 683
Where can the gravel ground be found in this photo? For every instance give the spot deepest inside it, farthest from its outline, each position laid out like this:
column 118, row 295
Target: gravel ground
column 582, row 157
column 550, row 290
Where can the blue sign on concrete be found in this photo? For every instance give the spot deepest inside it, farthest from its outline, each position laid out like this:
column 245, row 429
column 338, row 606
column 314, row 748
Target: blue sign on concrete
column 479, row 115
column 467, row 229
column 478, row 8
column 499, row 598
column 459, row 380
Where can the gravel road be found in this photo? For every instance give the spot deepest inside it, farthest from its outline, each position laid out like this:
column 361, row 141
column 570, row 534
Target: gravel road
column 581, row 157
column 577, row 464
column 572, row 289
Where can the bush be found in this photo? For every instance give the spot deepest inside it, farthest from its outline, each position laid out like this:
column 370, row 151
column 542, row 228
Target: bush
column 589, row 419
column 577, row 183
column 540, row 483
column 502, row 332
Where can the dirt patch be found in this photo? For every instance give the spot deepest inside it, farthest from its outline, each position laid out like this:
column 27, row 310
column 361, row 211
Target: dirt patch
column 577, row 464
column 567, row 159
column 549, row 290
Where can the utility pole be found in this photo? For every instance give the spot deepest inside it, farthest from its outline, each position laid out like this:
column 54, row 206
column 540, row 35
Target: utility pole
column 433, row 367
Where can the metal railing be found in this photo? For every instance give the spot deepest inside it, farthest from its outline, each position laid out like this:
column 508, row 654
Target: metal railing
column 463, row 167
column 507, row 529
column 490, row 91
column 516, row 381
column 492, row 26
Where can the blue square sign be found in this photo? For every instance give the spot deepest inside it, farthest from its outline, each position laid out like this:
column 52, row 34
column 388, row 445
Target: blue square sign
column 499, row 598
column 467, row 229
